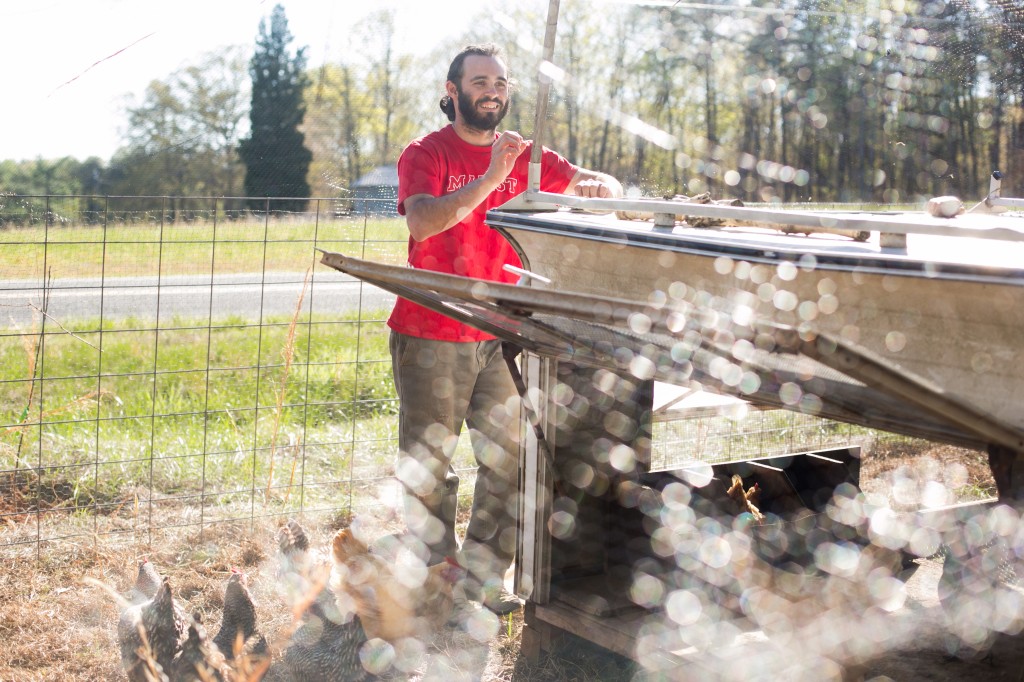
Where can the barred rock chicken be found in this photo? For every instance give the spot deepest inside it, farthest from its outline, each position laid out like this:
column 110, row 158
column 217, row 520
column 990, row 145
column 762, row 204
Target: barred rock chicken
column 324, row 648
column 147, row 582
column 302, row 571
column 238, row 635
column 150, row 634
column 393, row 599
column 292, row 540
column 199, row 659
column 326, row 645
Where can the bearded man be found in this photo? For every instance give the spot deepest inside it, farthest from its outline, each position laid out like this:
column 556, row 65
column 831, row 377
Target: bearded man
column 448, row 374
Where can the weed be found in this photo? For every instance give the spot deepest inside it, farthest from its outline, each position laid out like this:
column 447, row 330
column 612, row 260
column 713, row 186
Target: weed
column 288, row 354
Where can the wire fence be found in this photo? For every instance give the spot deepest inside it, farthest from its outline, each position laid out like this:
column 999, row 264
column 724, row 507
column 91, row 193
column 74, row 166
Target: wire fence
column 170, row 363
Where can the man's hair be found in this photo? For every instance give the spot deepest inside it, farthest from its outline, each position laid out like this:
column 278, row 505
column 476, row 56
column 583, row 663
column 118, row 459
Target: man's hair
column 456, row 71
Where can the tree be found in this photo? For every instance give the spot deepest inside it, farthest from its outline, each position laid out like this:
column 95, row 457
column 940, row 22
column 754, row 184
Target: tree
column 364, row 109
column 338, row 107
column 275, row 156
column 46, row 189
column 182, row 138
column 391, row 123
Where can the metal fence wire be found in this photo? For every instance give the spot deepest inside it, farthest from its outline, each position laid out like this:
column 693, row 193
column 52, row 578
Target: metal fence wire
column 179, row 362
column 173, row 361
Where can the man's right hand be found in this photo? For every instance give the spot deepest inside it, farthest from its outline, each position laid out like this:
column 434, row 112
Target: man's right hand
column 506, row 149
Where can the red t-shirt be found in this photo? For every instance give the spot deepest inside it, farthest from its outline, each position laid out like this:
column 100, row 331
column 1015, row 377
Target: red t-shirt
column 441, row 163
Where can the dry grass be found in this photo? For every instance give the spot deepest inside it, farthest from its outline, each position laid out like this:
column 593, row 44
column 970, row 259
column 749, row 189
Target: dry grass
column 965, row 473
column 287, row 355
column 58, row 621
column 58, row 613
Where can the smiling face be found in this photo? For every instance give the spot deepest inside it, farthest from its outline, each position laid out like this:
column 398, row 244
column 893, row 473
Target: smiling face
column 482, row 98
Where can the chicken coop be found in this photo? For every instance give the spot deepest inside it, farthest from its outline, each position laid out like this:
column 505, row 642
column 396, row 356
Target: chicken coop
column 597, row 484
column 658, row 524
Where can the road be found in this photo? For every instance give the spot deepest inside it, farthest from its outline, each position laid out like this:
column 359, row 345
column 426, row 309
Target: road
column 252, row 296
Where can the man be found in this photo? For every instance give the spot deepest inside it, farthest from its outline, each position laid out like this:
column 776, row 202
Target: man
column 447, row 373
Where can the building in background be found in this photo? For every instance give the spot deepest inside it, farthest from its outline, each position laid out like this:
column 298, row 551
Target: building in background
column 376, row 193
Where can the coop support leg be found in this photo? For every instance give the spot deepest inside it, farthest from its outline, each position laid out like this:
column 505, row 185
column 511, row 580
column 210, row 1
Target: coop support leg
column 537, row 636
column 1007, row 467
column 510, row 352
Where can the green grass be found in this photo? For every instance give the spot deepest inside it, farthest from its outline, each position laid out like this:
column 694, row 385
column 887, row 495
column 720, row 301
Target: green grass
column 196, row 408
column 194, row 248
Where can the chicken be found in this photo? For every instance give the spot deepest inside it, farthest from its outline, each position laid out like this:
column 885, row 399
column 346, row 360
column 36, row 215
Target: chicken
column 322, row 649
column 147, row 582
column 199, row 660
column 976, row 591
column 753, row 494
column 302, row 571
column 150, row 634
column 238, row 635
column 745, row 498
column 396, row 597
column 292, row 540
column 326, row 644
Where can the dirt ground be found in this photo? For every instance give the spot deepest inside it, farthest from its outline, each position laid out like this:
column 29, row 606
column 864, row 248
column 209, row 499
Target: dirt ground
column 919, row 628
column 920, row 653
column 58, row 611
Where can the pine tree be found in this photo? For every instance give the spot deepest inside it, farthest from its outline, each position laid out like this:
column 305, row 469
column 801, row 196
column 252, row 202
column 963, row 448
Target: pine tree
column 275, row 156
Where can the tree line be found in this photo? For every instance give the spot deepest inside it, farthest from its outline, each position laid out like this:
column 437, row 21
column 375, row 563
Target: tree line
column 821, row 100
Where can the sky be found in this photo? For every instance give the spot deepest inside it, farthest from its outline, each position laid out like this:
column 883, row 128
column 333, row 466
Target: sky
column 70, row 63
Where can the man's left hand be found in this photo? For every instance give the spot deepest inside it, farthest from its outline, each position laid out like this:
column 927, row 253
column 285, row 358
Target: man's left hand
column 593, row 189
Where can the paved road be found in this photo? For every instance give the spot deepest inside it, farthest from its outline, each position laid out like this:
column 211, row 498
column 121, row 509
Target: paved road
column 189, row 296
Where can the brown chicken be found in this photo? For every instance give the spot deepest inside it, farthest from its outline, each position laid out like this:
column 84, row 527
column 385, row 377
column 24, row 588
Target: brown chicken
column 746, row 499
column 393, row 600
column 151, row 634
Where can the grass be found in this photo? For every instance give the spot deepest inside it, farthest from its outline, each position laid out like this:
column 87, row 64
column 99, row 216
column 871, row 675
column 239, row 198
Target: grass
column 193, row 248
column 155, row 402
column 197, row 403
column 97, row 418
column 215, row 411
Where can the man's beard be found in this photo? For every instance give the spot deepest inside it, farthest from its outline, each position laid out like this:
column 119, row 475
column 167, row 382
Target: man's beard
column 486, row 120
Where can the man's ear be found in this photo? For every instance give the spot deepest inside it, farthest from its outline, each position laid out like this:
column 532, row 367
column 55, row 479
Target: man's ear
column 452, row 90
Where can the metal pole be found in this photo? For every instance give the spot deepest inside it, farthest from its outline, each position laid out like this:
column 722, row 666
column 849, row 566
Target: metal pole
column 542, row 96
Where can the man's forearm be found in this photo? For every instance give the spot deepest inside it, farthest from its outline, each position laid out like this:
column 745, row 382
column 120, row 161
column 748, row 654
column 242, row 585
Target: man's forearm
column 428, row 216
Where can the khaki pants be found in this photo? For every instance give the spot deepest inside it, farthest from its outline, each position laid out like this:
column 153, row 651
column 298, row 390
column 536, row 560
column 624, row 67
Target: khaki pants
column 442, row 385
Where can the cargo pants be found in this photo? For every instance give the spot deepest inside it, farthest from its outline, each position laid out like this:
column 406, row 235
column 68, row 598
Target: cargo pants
column 441, row 386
